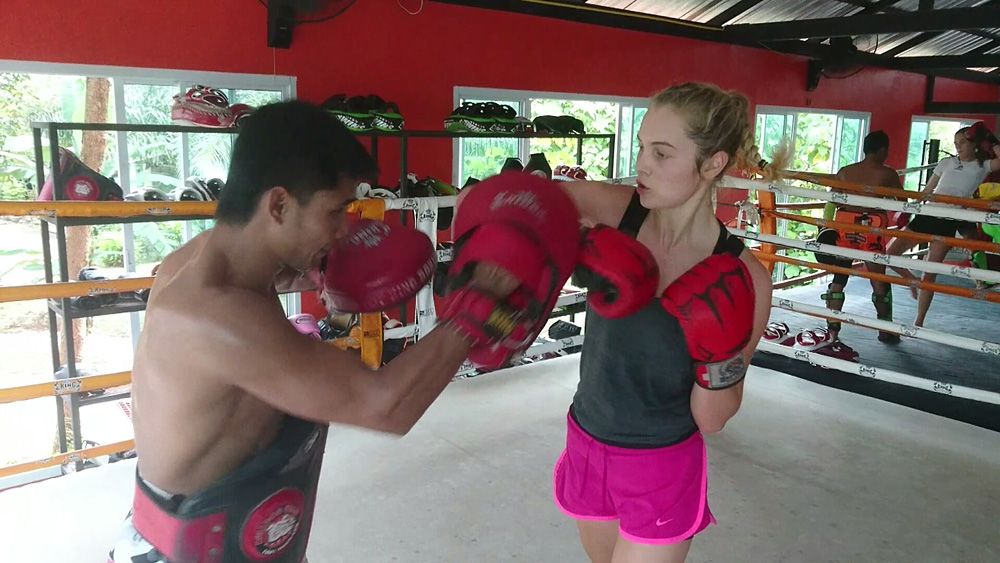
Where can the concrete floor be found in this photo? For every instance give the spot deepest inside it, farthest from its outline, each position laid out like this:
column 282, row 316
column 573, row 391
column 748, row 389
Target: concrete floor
column 803, row 473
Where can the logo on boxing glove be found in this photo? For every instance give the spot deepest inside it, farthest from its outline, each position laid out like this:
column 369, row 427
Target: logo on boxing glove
column 370, row 235
column 524, row 199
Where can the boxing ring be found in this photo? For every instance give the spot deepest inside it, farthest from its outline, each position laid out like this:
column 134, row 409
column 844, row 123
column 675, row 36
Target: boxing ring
column 974, row 382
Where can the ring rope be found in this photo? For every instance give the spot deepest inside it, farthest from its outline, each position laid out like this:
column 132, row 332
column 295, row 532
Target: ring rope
column 411, row 203
column 53, row 209
column 894, row 192
column 871, row 202
column 887, row 326
column 84, row 383
column 196, row 209
column 877, row 258
column 66, row 386
column 980, row 294
column 890, row 233
column 904, row 171
column 881, row 374
column 61, row 290
column 68, row 457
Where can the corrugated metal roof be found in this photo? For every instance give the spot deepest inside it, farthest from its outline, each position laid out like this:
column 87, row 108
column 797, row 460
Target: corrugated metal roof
column 948, row 43
column 914, row 5
column 783, row 10
column 703, row 11
column 690, row 10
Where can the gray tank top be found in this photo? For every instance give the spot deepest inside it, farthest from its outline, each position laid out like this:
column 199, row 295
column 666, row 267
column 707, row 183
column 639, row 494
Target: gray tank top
column 635, row 372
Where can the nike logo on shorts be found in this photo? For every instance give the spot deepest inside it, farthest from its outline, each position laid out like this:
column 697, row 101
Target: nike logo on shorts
column 661, row 523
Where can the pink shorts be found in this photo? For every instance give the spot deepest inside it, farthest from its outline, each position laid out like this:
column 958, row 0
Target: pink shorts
column 659, row 495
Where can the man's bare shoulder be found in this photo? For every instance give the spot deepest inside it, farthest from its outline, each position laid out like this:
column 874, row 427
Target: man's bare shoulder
column 209, row 307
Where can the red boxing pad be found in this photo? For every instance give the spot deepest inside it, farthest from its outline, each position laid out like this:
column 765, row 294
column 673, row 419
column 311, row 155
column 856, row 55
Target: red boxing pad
column 528, row 226
column 377, row 266
column 536, row 204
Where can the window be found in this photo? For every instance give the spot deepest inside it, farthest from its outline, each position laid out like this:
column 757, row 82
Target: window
column 822, row 141
column 480, row 158
column 484, row 157
column 924, row 130
column 57, row 92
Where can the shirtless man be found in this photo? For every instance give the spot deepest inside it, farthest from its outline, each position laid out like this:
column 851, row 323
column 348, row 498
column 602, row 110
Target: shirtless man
column 871, row 171
column 231, row 403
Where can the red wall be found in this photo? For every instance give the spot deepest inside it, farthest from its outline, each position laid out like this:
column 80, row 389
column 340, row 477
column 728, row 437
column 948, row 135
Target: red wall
column 417, row 60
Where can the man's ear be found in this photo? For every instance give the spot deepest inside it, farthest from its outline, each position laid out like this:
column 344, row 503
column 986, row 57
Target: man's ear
column 277, row 200
column 715, row 165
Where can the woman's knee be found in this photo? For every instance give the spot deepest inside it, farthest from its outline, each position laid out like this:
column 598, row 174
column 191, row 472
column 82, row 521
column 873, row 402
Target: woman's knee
column 627, row 551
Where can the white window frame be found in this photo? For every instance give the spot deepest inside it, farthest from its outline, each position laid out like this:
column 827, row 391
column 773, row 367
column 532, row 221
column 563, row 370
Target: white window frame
column 182, row 79
column 964, row 122
column 790, row 111
column 460, row 93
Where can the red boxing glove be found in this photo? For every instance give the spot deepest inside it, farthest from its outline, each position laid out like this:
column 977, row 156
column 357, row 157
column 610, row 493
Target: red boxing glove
column 619, row 272
column 984, row 139
column 376, row 266
column 714, row 303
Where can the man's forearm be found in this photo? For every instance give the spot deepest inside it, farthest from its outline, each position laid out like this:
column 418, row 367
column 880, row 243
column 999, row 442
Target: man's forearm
column 417, row 377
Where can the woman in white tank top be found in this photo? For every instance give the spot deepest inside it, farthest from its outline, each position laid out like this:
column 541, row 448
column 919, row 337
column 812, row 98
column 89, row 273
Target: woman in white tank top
column 957, row 176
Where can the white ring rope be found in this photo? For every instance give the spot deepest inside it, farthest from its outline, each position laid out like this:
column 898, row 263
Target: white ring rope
column 917, row 332
column 915, row 207
column 874, row 257
column 881, row 374
column 413, row 203
column 917, row 168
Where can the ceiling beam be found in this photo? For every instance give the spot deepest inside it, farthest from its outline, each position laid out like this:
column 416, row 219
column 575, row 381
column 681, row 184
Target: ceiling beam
column 897, row 22
column 962, row 108
column 947, row 61
column 733, row 12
